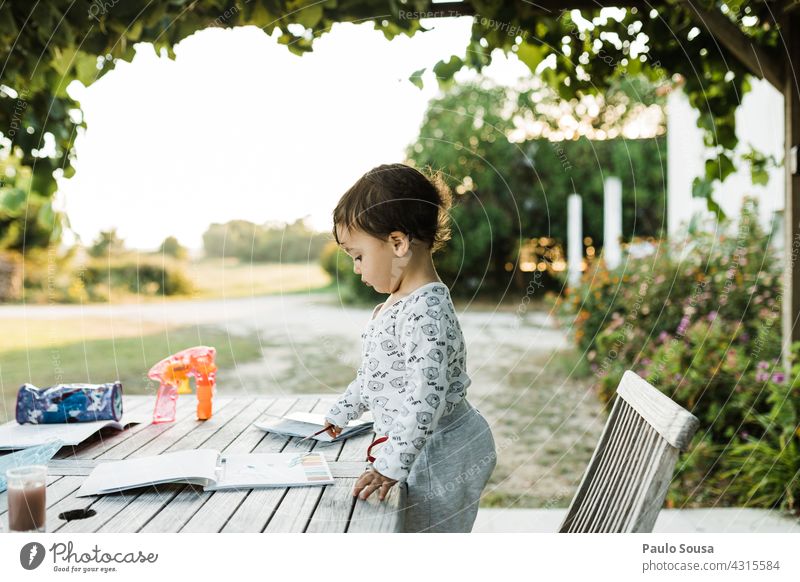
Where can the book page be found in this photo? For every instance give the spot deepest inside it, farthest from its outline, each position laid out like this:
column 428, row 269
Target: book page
column 273, row 470
column 303, row 424
column 21, row 436
column 319, row 419
column 192, row 466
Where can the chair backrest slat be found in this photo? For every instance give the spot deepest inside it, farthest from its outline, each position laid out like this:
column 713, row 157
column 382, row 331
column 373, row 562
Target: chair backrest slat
column 588, row 488
column 641, row 457
column 624, row 486
column 610, row 479
column 626, row 470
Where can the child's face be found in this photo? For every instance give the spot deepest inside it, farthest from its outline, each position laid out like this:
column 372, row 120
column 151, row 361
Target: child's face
column 380, row 263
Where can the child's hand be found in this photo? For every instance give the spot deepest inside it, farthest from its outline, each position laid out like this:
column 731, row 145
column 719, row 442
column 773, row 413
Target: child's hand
column 372, row 481
column 333, row 430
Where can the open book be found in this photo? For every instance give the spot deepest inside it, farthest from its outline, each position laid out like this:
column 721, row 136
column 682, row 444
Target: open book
column 21, row 436
column 206, row 467
column 303, row 424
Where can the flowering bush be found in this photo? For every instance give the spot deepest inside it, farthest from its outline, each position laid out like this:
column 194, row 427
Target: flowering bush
column 701, row 322
column 631, row 317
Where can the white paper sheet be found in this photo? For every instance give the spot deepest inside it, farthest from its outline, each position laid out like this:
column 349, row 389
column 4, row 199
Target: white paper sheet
column 21, row 436
column 303, row 424
column 196, row 466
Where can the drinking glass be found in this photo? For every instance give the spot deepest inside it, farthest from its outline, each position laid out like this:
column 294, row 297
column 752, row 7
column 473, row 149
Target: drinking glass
column 27, row 505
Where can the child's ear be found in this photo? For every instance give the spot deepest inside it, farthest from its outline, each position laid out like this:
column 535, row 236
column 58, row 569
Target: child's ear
column 401, row 243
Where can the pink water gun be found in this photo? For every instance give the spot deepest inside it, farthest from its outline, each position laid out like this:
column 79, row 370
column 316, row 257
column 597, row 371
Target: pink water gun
column 173, row 375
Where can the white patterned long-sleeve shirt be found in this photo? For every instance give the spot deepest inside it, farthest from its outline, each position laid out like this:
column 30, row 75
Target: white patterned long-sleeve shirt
column 413, row 372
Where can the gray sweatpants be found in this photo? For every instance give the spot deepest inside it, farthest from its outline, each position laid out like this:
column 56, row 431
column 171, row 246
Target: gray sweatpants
column 444, row 486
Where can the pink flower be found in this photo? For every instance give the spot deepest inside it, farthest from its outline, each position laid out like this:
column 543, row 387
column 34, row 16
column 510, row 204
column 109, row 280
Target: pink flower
column 778, row 377
column 684, row 325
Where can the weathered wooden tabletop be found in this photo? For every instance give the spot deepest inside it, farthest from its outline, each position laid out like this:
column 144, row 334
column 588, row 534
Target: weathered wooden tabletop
column 179, row 507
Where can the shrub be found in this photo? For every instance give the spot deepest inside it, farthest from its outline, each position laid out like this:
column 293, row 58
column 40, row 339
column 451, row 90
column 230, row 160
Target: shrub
column 702, row 324
column 130, row 274
column 762, row 465
column 277, row 243
column 624, row 318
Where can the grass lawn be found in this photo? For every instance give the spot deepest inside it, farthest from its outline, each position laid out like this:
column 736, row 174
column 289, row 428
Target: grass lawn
column 127, row 357
column 228, row 278
column 21, row 334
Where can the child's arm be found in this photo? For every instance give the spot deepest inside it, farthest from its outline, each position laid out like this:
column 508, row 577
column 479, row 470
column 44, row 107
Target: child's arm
column 349, row 406
column 427, row 342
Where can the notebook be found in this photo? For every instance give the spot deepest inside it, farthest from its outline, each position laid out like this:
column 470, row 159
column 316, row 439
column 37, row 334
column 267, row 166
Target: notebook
column 303, row 424
column 21, row 436
column 209, row 469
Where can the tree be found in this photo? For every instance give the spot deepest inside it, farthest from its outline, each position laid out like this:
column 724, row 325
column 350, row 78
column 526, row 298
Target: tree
column 172, row 247
column 277, row 243
column 107, row 244
column 27, row 218
column 508, row 192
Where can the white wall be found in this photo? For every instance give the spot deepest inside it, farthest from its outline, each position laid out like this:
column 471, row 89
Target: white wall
column 759, row 121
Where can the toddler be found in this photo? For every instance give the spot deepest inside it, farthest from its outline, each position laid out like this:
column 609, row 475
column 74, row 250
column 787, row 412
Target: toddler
column 413, row 374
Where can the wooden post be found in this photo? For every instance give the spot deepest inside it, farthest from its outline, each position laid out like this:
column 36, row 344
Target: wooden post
column 791, row 94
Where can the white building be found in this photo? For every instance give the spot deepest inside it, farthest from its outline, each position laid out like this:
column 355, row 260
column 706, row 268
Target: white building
column 759, row 121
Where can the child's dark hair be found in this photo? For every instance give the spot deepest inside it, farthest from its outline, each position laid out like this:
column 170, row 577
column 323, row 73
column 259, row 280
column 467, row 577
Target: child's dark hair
column 394, row 197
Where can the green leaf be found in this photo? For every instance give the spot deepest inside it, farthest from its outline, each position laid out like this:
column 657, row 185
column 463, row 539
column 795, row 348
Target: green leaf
column 759, row 176
column 444, row 70
column 719, row 168
column 309, row 16
column 46, row 216
column 760, row 164
column 12, row 202
column 86, row 68
column 62, row 60
column 69, row 171
column 135, row 31
column 43, row 182
column 531, row 54
column 715, row 208
column 701, row 188
column 416, row 77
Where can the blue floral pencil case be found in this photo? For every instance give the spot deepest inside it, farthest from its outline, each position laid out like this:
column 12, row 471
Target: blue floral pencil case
column 65, row 403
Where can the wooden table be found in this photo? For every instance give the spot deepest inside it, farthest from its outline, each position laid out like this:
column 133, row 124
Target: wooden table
column 187, row 508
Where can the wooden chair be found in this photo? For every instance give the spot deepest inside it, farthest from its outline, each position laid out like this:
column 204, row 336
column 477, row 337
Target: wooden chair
column 626, row 481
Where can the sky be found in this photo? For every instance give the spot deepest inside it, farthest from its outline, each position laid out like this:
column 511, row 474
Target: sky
column 237, row 127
